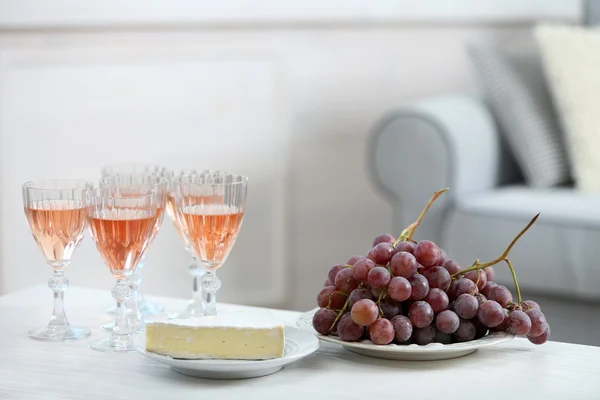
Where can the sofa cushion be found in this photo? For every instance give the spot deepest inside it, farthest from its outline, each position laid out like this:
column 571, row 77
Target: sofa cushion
column 519, row 99
column 558, row 255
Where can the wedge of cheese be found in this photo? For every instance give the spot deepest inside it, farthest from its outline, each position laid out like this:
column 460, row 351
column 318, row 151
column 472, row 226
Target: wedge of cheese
column 234, row 336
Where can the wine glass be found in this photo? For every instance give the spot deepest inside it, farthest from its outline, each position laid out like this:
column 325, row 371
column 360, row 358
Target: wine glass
column 56, row 214
column 122, row 221
column 129, row 184
column 146, row 308
column 210, row 205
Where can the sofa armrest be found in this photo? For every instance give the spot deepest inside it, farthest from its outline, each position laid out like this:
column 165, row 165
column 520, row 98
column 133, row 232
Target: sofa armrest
column 445, row 141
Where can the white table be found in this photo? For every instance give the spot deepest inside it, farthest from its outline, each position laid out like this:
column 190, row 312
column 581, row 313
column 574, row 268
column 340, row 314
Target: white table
column 31, row 369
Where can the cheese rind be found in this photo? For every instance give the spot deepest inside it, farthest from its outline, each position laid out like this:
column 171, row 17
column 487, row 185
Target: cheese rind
column 236, row 336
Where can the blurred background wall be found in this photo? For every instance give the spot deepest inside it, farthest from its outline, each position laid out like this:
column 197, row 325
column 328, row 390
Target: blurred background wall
column 284, row 91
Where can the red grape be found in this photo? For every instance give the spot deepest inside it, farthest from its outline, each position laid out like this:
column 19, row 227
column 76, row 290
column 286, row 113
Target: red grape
column 344, row 281
column 390, row 308
column 447, row 321
column 352, row 260
column 480, row 329
column 490, row 273
column 376, row 292
column 327, row 283
column 529, row 304
column 399, row 288
column 402, row 327
column 443, row 338
column 488, row 288
column 361, row 269
column 364, row 312
column 337, row 300
column 408, row 247
column 520, row 324
column 382, row 331
column 385, row 238
column 323, row 319
column 478, row 277
column 451, row 266
column 379, row 277
column 505, row 324
column 420, row 314
column 466, row 306
column 333, row 271
column 403, row 264
column 451, row 292
column 480, row 298
column 437, row 299
column 438, row 277
column 464, row 285
column 348, row 331
column 538, row 322
column 423, row 336
column 323, row 296
column 427, row 253
column 541, row 339
column 381, row 254
column 466, row 331
column 490, row 314
column 359, row 294
column 501, row 294
column 419, row 287
column 442, row 259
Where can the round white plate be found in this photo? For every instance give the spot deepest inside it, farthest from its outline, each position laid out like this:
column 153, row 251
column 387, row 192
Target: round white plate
column 298, row 344
column 412, row 352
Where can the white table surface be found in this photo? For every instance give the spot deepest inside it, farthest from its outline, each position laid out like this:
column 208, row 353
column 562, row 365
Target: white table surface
column 30, row 369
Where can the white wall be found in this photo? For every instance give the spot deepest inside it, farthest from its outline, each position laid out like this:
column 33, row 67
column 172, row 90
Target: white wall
column 280, row 93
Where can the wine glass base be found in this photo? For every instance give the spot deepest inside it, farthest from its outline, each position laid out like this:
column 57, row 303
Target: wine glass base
column 135, row 327
column 119, row 345
column 59, row 333
column 148, row 308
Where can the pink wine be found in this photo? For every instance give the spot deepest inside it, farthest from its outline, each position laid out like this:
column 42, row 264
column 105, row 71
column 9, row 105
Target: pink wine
column 57, row 227
column 121, row 241
column 212, row 229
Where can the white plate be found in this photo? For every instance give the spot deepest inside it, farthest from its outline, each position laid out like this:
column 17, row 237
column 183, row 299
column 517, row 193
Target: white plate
column 298, row 344
column 433, row 351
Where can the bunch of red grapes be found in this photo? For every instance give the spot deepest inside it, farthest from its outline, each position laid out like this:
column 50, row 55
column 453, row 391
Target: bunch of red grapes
column 411, row 293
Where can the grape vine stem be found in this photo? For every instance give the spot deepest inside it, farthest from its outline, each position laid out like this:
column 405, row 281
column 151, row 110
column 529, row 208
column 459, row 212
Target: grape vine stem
column 476, row 266
column 409, row 231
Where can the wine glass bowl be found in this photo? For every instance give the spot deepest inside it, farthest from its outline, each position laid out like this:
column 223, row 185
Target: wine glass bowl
column 56, row 213
column 210, row 206
column 121, row 225
column 132, row 185
column 128, row 173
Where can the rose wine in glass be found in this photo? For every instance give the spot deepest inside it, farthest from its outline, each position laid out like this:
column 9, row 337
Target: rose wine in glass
column 121, row 226
column 128, row 170
column 56, row 214
column 211, row 210
column 131, row 185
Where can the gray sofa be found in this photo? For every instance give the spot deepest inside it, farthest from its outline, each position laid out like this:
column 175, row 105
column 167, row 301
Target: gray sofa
column 453, row 141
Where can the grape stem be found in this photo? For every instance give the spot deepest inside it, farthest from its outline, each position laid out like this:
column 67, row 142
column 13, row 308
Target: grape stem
column 381, row 295
column 340, row 314
column 477, row 266
column 409, row 231
column 514, row 276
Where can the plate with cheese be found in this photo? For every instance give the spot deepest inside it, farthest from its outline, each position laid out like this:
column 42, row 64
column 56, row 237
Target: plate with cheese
column 227, row 346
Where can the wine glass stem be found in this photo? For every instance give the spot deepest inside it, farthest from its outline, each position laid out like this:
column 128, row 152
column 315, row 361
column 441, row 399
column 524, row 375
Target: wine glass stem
column 210, row 285
column 121, row 293
column 196, row 306
column 58, row 283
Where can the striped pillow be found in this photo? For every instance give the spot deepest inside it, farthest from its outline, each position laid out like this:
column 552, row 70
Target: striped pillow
column 525, row 114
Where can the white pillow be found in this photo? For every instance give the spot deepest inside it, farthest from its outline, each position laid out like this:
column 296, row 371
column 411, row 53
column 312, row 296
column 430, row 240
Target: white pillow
column 572, row 62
